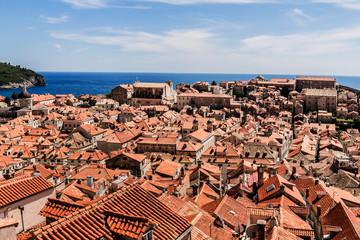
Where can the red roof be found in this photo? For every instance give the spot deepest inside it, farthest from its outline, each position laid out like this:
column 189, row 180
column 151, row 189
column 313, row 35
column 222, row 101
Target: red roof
column 56, row 208
column 229, row 209
column 25, row 187
column 89, row 222
column 127, row 226
column 341, row 216
column 168, row 168
column 272, row 188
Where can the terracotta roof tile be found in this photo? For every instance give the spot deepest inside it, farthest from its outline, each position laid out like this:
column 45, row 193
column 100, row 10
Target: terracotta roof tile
column 127, row 226
column 89, row 222
column 57, row 209
column 16, row 190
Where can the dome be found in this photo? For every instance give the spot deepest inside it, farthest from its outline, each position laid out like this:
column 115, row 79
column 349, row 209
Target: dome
column 24, row 94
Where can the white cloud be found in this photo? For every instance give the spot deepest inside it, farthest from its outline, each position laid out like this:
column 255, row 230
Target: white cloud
column 87, row 3
column 307, row 44
column 188, row 40
column 299, row 17
column 55, row 20
column 352, row 4
column 181, row 2
column 81, row 50
column 58, row 46
column 100, row 4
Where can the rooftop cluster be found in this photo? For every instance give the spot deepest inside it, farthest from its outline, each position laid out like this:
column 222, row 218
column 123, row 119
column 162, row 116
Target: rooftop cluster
column 258, row 159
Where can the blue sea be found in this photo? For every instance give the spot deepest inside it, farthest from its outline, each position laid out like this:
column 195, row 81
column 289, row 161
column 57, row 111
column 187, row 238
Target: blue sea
column 101, row 83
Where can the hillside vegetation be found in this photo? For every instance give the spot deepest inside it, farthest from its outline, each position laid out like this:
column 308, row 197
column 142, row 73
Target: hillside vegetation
column 15, row 76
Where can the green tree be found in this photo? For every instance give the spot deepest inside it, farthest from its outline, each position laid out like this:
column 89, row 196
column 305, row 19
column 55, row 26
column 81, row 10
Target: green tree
column 357, row 123
column 14, row 96
column 214, row 83
column 285, row 91
column 245, row 91
column 7, row 100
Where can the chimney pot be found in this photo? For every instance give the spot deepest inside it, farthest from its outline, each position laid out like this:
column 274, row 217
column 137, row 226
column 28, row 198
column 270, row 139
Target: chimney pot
column 90, row 181
column 261, row 229
column 316, row 181
column 318, row 207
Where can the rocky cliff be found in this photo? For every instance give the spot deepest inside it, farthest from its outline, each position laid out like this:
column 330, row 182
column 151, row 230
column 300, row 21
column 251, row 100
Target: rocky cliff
column 17, row 77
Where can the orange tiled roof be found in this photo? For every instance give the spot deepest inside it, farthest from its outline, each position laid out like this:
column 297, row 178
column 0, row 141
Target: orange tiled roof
column 89, row 222
column 277, row 181
column 341, row 216
column 280, row 233
column 23, row 188
column 229, row 209
column 89, row 154
column 127, row 226
column 57, row 209
column 168, row 168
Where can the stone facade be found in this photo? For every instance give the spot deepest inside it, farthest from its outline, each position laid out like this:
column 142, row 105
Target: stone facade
column 122, row 93
column 314, row 82
column 321, row 99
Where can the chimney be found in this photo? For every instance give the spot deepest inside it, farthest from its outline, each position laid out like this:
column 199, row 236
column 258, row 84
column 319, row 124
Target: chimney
column 195, row 189
column 318, row 208
column 199, row 163
column 261, row 229
column 260, row 175
column 240, row 192
column 316, row 181
column 36, row 173
column 175, row 189
column 90, row 181
column 282, row 188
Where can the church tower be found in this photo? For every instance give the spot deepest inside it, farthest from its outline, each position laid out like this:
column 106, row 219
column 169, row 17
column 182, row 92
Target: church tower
column 25, row 99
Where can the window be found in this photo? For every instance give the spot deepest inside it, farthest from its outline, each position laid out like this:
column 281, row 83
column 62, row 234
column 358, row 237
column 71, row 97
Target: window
column 270, row 188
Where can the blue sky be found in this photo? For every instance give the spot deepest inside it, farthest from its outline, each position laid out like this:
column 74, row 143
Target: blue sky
column 203, row 36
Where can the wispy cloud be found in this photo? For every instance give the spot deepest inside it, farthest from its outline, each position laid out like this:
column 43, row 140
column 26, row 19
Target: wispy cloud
column 54, row 20
column 87, row 3
column 58, row 46
column 306, row 44
column 351, row 4
column 186, row 40
column 81, row 50
column 299, row 17
column 182, row 2
column 91, row 4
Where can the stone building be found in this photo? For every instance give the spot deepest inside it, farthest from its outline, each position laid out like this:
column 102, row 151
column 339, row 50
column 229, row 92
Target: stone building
column 136, row 163
column 146, row 94
column 321, row 99
column 157, row 144
column 203, row 99
column 314, row 82
column 22, row 199
column 122, row 93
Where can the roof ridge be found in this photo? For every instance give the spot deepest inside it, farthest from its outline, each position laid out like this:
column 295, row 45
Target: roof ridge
column 80, row 211
column 20, row 180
